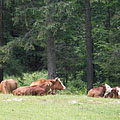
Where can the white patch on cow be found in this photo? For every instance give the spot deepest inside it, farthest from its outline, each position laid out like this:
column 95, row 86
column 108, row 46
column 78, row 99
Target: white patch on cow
column 118, row 90
column 50, row 90
column 108, row 88
column 105, row 94
column 61, row 83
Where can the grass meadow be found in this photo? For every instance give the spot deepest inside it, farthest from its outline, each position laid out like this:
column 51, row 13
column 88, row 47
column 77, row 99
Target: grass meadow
column 58, row 107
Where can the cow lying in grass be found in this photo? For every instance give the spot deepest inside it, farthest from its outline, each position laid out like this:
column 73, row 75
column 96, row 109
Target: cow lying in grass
column 57, row 86
column 7, row 86
column 115, row 93
column 100, row 91
column 38, row 90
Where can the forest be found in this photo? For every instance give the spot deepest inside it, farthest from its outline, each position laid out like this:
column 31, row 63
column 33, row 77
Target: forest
column 46, row 38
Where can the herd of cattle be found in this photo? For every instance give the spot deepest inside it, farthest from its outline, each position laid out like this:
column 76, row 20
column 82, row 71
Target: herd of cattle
column 44, row 87
column 39, row 87
column 105, row 91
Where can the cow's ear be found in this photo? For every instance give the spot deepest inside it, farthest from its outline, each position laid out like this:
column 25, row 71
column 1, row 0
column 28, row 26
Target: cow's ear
column 57, row 79
column 53, row 81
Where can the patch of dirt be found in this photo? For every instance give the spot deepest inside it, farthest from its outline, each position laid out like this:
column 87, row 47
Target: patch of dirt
column 73, row 102
column 116, row 102
column 14, row 99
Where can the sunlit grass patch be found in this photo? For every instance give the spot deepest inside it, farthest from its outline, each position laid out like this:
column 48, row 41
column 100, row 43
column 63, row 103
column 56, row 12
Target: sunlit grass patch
column 58, row 107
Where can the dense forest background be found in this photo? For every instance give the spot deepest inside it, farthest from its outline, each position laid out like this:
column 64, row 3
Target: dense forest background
column 26, row 26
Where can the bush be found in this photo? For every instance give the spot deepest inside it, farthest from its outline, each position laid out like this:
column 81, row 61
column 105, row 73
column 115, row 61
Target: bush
column 73, row 87
column 77, row 87
column 28, row 78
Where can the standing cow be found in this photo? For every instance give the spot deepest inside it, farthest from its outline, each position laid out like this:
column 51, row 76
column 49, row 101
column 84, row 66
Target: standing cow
column 7, row 86
column 57, row 86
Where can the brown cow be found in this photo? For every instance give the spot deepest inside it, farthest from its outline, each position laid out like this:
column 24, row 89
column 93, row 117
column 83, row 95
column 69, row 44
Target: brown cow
column 111, row 94
column 7, row 86
column 41, row 90
column 21, row 90
column 38, row 90
column 57, row 86
column 0, row 87
column 100, row 91
column 115, row 93
column 118, row 91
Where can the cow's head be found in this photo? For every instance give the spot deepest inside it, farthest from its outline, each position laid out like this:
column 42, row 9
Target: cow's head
column 50, row 83
column 115, row 92
column 108, row 88
column 58, row 85
column 47, row 84
column 118, row 91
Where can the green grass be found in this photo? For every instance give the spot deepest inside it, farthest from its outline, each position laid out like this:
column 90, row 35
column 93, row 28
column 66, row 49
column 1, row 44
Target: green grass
column 58, row 107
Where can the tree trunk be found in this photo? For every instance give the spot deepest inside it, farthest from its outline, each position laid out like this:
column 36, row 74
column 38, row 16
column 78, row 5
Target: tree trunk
column 51, row 54
column 89, row 47
column 51, row 57
column 1, row 36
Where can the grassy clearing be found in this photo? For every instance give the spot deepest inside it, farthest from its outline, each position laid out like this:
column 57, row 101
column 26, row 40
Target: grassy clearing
column 58, row 107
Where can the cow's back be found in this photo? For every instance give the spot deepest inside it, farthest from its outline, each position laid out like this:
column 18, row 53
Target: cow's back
column 22, row 91
column 0, row 87
column 12, row 84
column 91, row 93
column 39, row 82
column 37, row 90
column 34, row 90
column 7, row 86
column 4, row 87
column 96, row 92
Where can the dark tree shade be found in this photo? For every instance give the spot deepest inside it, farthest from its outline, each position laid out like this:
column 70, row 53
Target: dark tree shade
column 1, row 36
column 1, row 23
column 89, row 47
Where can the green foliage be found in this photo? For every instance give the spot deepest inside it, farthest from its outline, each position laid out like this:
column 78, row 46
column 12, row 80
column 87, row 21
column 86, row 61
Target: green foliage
column 27, row 78
column 17, row 60
column 27, row 25
column 77, row 87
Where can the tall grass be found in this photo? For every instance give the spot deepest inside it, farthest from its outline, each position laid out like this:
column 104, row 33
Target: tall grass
column 58, row 107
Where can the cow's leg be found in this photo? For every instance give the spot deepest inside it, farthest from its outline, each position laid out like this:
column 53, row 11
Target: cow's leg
column 50, row 91
column 5, row 90
column 53, row 92
column 40, row 94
